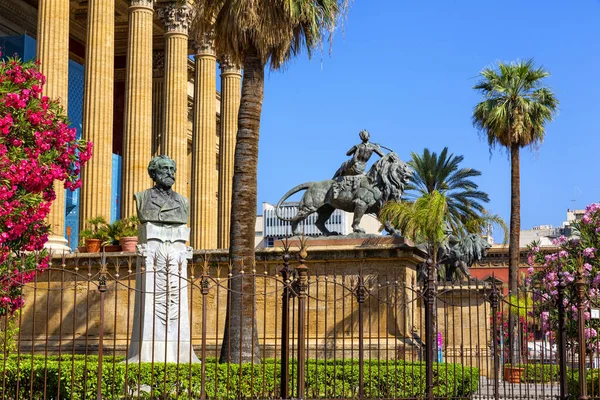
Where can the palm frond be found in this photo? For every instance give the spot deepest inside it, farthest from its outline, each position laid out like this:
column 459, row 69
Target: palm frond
column 278, row 30
column 443, row 173
column 515, row 107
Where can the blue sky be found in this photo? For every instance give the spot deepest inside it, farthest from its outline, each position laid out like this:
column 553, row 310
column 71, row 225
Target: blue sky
column 404, row 70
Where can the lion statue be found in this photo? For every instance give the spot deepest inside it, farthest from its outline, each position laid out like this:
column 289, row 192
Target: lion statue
column 458, row 255
column 360, row 194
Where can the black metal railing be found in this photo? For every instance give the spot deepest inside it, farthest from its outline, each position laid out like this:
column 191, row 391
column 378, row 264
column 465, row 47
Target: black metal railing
column 370, row 332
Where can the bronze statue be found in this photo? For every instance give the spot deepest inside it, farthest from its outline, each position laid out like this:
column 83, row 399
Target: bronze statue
column 384, row 182
column 361, row 153
column 160, row 204
column 456, row 256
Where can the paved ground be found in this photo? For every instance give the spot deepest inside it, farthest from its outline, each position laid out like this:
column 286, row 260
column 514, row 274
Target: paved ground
column 516, row 390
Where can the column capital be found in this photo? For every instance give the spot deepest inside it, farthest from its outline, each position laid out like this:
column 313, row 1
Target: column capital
column 158, row 64
column 142, row 4
column 228, row 66
column 176, row 19
column 204, row 44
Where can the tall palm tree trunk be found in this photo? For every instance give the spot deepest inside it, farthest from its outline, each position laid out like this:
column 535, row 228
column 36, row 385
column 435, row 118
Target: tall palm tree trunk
column 514, row 252
column 515, row 219
column 240, row 339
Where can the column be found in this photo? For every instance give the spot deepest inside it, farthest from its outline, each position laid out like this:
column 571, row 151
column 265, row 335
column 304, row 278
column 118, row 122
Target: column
column 98, row 110
column 158, row 103
column 137, row 133
column 231, row 77
column 204, row 143
column 174, row 143
column 53, row 55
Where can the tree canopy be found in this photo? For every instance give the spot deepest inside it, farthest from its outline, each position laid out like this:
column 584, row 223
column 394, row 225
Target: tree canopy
column 516, row 106
column 443, row 173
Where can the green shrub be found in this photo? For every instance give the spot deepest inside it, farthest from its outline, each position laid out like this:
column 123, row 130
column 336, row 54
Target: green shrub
column 593, row 383
column 539, row 373
column 331, row 379
column 9, row 332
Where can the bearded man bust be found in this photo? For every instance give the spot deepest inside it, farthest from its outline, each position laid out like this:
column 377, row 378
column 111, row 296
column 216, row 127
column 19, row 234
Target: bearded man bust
column 161, row 323
column 160, row 204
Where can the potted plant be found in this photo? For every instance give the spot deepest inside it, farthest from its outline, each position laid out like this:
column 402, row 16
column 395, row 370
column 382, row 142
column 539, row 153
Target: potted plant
column 95, row 235
column 128, row 236
column 513, row 373
column 114, row 232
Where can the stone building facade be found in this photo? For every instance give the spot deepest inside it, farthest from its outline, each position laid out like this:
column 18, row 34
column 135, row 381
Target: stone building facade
column 147, row 88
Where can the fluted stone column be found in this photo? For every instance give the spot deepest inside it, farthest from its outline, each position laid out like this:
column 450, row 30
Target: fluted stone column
column 137, row 133
column 204, row 142
column 175, row 144
column 158, row 101
column 231, row 77
column 98, row 109
column 53, row 55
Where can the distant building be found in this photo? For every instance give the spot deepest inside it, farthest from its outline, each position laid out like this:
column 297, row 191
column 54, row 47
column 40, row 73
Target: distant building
column 545, row 234
column 259, row 237
column 273, row 228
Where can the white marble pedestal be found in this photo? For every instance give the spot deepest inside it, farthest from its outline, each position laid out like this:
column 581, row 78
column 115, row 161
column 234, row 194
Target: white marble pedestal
column 161, row 324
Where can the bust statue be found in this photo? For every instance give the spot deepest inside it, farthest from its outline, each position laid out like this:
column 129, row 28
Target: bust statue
column 161, row 319
column 160, row 204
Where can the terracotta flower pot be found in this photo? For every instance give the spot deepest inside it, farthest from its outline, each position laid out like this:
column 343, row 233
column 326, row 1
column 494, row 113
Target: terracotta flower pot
column 128, row 243
column 93, row 245
column 513, row 374
column 112, row 248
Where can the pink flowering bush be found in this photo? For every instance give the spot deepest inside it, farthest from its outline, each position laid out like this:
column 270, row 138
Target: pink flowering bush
column 37, row 147
column 576, row 254
column 502, row 334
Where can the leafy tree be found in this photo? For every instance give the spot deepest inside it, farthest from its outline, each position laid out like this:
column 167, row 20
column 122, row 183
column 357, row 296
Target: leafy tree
column 422, row 220
column 254, row 33
column 37, row 149
column 513, row 113
column 577, row 256
column 443, row 173
column 441, row 199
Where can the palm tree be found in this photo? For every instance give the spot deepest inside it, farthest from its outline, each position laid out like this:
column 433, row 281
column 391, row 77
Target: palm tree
column 424, row 220
column 437, row 184
column 443, row 173
column 513, row 113
column 254, row 33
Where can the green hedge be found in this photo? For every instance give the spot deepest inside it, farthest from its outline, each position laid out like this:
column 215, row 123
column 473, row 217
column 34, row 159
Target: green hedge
column 593, row 383
column 539, row 373
column 323, row 379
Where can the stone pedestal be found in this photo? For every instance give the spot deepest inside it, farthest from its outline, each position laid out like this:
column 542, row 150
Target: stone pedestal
column 161, row 324
column 58, row 245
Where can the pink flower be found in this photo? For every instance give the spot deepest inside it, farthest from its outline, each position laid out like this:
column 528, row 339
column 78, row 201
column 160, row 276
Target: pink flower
column 563, row 254
column 36, row 148
column 589, row 252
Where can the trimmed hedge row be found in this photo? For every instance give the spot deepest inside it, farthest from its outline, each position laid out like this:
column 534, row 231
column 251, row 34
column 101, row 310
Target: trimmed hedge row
column 323, row 379
column 539, row 373
column 593, row 383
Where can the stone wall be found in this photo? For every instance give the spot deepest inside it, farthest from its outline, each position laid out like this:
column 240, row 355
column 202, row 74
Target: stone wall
column 63, row 307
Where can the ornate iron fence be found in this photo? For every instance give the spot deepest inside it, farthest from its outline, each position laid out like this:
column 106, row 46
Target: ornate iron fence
column 328, row 333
